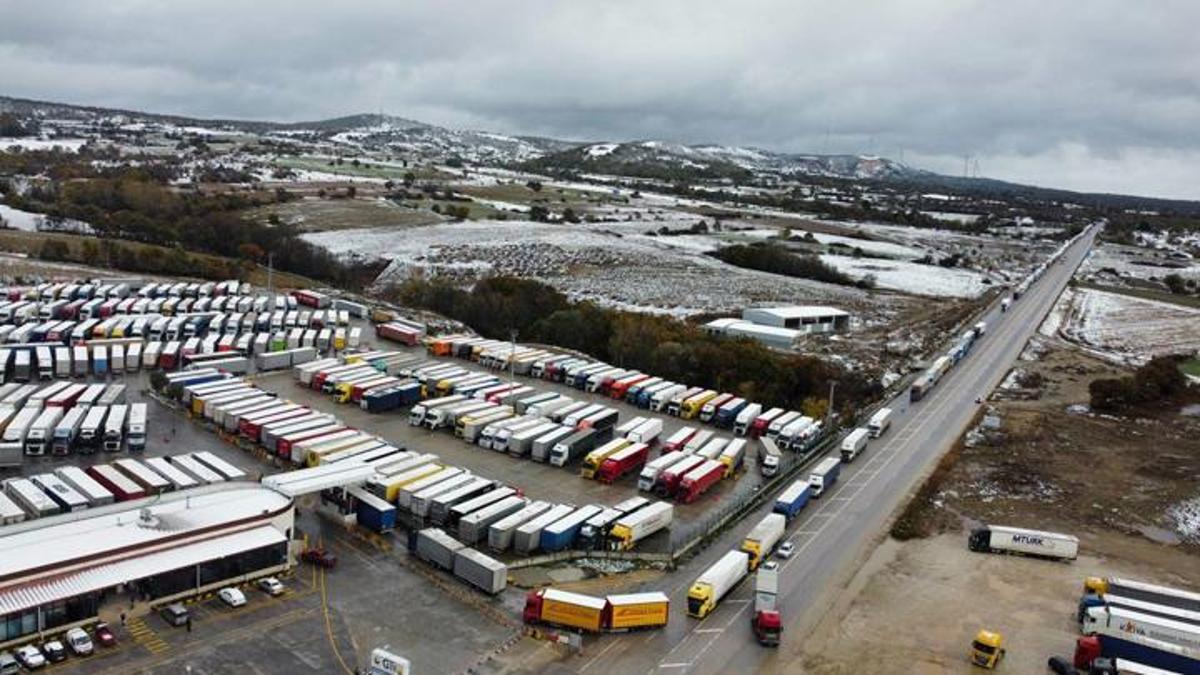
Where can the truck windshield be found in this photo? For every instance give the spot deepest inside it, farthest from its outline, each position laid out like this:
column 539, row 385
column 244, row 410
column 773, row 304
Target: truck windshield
column 694, row 605
column 986, row 649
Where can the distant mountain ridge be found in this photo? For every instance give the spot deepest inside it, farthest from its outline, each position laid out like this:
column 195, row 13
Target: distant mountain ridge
column 639, row 159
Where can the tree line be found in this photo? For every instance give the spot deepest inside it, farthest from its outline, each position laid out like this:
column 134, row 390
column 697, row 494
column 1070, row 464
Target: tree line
column 774, row 258
column 662, row 346
column 134, row 207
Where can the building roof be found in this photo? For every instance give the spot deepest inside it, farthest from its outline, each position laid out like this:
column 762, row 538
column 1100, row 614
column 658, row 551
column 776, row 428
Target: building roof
column 317, row 478
column 51, row 546
column 135, row 566
column 801, row 311
column 739, row 327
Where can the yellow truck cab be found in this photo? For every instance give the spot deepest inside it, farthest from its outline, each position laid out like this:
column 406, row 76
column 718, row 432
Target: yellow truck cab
column 987, row 649
column 593, row 460
column 692, row 406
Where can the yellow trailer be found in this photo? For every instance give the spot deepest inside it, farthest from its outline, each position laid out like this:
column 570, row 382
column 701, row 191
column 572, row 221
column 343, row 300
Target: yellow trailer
column 394, row 484
column 572, row 609
column 638, row 610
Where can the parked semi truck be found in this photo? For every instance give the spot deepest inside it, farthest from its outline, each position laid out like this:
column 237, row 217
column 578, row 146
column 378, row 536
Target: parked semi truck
column 1147, row 652
column 768, row 456
column 999, row 539
column 628, row 530
column 765, row 619
column 715, row 582
column 613, row 613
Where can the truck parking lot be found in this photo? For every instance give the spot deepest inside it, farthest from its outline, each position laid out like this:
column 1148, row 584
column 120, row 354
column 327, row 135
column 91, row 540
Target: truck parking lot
column 537, row 480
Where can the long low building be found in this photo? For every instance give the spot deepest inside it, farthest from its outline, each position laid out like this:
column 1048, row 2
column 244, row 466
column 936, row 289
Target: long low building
column 62, row 571
column 780, row 338
column 802, row 318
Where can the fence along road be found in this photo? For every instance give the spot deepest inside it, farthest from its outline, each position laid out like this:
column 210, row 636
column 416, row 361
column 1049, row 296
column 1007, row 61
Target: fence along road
column 836, row 531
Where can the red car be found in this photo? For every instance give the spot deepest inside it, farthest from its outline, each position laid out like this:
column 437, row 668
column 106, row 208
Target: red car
column 104, row 635
column 319, row 557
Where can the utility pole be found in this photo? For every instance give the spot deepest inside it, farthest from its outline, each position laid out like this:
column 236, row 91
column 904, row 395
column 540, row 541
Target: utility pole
column 512, row 363
column 271, row 278
column 829, row 409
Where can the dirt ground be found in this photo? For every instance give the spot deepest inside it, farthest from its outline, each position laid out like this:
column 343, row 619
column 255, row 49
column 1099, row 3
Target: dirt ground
column 1049, row 465
column 916, row 605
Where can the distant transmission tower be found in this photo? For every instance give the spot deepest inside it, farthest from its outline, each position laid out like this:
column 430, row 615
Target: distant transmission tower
column 975, row 168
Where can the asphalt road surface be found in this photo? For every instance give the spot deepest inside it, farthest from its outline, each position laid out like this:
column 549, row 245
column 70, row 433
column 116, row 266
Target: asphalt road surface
column 835, row 532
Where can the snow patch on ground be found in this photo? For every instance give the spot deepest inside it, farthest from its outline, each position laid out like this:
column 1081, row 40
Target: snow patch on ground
column 601, row 149
column 1185, row 519
column 911, row 277
column 65, row 144
column 36, row 222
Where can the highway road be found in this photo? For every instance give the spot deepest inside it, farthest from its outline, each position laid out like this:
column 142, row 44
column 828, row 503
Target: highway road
column 834, row 534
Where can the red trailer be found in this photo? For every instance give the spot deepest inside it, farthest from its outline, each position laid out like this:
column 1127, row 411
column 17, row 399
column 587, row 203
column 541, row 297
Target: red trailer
column 311, row 299
column 169, row 356
column 283, row 446
column 623, row 461
column 619, row 388
column 678, row 440
column 668, row 481
column 398, row 332
column 697, row 481
column 251, row 427
column 114, row 481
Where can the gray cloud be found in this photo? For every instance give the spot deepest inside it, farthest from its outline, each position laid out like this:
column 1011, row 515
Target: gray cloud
column 1100, row 96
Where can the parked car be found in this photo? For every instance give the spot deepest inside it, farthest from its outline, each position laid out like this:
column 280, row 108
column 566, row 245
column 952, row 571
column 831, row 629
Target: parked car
column 786, row 549
column 105, row 636
column 31, row 657
column 232, row 596
column 319, row 557
column 54, row 651
column 270, row 586
column 79, row 642
column 9, row 664
column 770, row 565
column 174, row 614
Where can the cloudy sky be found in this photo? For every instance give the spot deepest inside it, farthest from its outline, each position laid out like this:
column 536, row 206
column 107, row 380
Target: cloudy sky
column 1097, row 96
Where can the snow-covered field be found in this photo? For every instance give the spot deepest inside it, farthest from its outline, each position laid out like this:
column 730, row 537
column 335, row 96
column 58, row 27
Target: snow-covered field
column 36, row 222
column 910, row 277
column 611, row 263
column 1124, row 329
column 64, row 144
column 1132, row 262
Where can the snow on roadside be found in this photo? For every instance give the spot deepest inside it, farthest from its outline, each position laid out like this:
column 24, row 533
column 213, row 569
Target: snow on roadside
column 1054, row 319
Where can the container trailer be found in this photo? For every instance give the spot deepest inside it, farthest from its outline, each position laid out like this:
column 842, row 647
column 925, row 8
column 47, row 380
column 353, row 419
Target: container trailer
column 696, row 482
column 178, row 479
column 68, row 498
column 543, row 444
column 441, row 505
column 880, row 422
column 824, row 476
column 647, row 432
column 437, row 548
column 593, row 460
column 1155, row 657
column 793, row 498
column 561, row 534
column 77, row 478
column 626, row 460
column 420, row 500
column 372, row 512
column 678, row 440
column 528, row 535
column 650, row 473
column 569, row 448
column 715, row 582
column 669, row 478
column 854, row 443
column 998, row 539
column 763, row 537
column 481, row 571
column 469, row 506
column 745, row 419
column 629, row 529
column 473, row 526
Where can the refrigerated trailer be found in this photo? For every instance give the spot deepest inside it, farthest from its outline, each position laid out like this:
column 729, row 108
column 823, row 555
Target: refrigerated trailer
column 998, row 539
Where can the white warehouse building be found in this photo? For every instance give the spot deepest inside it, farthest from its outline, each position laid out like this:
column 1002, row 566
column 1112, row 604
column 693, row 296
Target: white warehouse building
column 781, row 327
column 803, row 318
